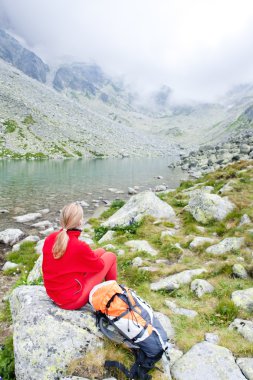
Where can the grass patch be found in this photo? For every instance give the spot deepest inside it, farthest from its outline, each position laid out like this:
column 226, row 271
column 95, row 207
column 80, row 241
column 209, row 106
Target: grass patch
column 10, row 126
column 7, row 369
column 25, row 256
column 28, row 120
column 115, row 206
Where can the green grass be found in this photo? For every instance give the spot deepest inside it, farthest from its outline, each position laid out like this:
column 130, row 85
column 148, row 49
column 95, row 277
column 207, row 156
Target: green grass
column 7, row 369
column 10, row 126
column 25, row 256
column 28, row 120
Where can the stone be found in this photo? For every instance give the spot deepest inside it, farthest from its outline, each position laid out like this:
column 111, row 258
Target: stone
column 179, row 310
column 83, row 203
column 107, row 236
column 160, row 188
column 44, row 211
column 245, row 219
column 131, row 191
column 198, row 241
column 166, row 324
column 36, row 272
column 174, row 355
column 170, row 232
column 226, row 245
column 205, row 207
column 243, row 299
column 110, row 247
column 175, row 280
column 4, row 211
column 244, row 148
column 87, row 239
column 137, row 262
column 42, row 224
column 11, row 236
column 201, row 287
column 207, row 361
column 149, row 269
column 47, row 232
column 139, row 205
column 39, row 246
column 120, row 252
column 27, row 217
column 9, row 265
column 33, row 238
column 246, row 366
column 47, row 338
column 239, row 271
column 243, row 327
column 141, row 245
column 212, row 338
column 193, row 191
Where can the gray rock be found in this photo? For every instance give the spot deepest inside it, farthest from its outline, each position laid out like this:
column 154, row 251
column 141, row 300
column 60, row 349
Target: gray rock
column 226, row 245
column 239, row 271
column 42, row 224
column 137, row 262
column 179, row 310
column 110, row 247
column 169, row 232
column 243, row 327
column 47, row 338
column 212, row 338
column 4, row 211
column 120, row 252
column 86, row 238
column 27, row 217
column 131, row 191
column 9, row 265
column 245, row 219
column 141, row 245
column 166, row 324
column 198, row 241
column 243, row 299
column 201, row 287
column 205, row 207
column 11, row 236
column 39, row 246
column 144, row 203
column 150, row 269
column 36, row 272
column 207, row 361
column 47, row 232
column 160, row 188
column 227, row 187
column 246, row 366
column 44, row 211
column 244, row 148
column 175, row 280
column 107, row 236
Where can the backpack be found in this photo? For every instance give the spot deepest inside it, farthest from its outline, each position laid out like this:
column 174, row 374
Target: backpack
column 124, row 317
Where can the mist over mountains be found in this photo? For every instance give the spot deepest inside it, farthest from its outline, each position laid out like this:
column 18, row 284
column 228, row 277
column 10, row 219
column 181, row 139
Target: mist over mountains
column 112, row 100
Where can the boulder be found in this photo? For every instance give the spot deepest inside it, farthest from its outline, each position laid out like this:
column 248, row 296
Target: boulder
column 179, row 310
column 246, row 366
column 107, row 236
column 47, row 338
column 207, row 361
column 243, row 299
column 198, row 241
column 175, row 280
column 141, row 245
column 9, row 265
column 205, row 207
column 166, row 324
column 39, row 246
column 244, row 327
column 144, row 203
column 245, row 219
column 11, row 236
column 137, row 262
column 27, row 217
column 42, row 224
column 212, row 338
column 36, row 272
column 239, row 271
column 226, row 245
column 201, row 287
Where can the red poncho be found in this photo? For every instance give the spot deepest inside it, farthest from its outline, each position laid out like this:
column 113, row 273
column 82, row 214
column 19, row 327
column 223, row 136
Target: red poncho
column 64, row 277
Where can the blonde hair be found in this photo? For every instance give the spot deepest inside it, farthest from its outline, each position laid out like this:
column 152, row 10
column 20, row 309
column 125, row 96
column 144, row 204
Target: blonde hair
column 70, row 217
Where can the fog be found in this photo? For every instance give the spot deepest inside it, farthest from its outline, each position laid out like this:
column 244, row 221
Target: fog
column 200, row 48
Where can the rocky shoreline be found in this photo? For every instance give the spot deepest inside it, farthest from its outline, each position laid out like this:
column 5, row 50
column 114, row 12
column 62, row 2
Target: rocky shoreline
column 209, row 158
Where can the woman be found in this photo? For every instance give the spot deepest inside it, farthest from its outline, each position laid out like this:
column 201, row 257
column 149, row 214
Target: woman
column 70, row 268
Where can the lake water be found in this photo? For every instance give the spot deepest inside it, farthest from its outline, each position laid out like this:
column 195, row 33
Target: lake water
column 27, row 186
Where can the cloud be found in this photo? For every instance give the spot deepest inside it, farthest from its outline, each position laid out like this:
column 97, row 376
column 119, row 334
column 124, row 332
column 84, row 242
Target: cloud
column 200, row 48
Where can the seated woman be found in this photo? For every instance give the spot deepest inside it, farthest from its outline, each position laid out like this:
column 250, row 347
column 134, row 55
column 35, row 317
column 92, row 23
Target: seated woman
column 70, row 268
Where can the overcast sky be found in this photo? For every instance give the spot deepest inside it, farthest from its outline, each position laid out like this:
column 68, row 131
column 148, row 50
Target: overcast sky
column 200, row 48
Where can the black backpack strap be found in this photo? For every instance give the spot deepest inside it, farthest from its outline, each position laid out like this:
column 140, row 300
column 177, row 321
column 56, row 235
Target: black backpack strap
column 118, row 365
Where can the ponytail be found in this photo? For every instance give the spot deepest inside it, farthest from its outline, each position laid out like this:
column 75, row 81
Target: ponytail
column 60, row 244
column 70, row 217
